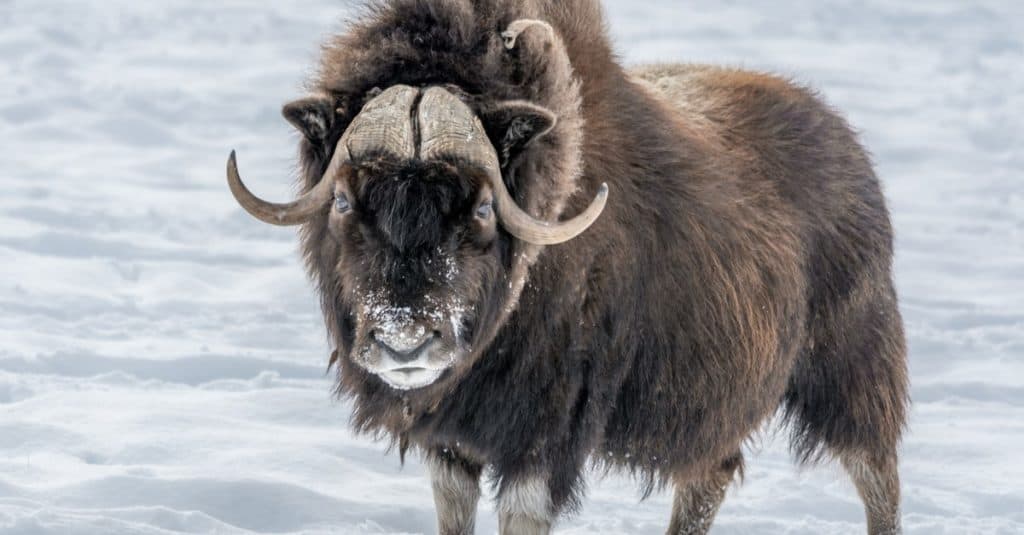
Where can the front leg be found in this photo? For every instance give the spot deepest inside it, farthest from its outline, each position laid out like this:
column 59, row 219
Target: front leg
column 525, row 506
column 456, row 484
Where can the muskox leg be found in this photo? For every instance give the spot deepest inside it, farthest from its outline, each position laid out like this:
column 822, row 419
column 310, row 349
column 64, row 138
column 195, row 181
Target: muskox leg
column 878, row 484
column 456, row 484
column 697, row 501
column 847, row 395
column 525, row 507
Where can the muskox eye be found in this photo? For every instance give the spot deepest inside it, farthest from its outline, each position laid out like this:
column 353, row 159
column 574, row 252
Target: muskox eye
column 341, row 203
column 485, row 210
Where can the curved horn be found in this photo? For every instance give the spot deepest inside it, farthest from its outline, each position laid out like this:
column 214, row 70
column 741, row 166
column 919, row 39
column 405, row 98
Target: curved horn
column 449, row 127
column 383, row 125
column 292, row 213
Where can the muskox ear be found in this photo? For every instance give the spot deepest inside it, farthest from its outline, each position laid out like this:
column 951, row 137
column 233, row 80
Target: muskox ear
column 313, row 116
column 514, row 125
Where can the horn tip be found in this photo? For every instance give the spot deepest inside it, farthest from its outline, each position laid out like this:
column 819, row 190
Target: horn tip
column 603, row 190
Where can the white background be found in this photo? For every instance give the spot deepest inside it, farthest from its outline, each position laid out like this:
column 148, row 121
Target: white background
column 162, row 355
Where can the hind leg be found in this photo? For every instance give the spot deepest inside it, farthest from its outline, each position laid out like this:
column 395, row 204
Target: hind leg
column 878, row 484
column 696, row 502
column 848, row 397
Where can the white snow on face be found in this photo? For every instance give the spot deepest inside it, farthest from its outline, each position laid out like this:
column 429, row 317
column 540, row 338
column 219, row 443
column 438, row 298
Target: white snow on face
column 408, row 347
column 393, row 325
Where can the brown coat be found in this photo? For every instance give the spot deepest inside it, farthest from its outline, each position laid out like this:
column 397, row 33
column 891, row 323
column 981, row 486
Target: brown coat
column 743, row 262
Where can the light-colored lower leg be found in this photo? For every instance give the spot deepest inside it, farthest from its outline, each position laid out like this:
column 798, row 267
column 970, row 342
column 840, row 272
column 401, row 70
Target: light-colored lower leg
column 525, row 508
column 696, row 502
column 878, row 484
column 456, row 492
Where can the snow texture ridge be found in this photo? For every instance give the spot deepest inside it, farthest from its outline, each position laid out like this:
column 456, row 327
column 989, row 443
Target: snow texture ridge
column 162, row 356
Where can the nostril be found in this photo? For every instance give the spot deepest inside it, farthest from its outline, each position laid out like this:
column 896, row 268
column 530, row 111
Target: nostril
column 403, row 349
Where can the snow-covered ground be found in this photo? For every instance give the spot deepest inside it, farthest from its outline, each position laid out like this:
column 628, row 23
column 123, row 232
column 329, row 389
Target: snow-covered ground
column 162, row 356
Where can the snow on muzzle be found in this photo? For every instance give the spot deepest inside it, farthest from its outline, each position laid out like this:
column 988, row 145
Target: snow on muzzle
column 408, row 348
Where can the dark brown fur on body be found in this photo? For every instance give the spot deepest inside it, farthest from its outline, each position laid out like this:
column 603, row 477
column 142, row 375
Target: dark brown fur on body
column 742, row 263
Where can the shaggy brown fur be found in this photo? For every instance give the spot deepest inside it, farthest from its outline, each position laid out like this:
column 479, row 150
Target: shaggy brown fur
column 742, row 264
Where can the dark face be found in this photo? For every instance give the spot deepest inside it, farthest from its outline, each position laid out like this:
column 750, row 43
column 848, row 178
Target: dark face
column 421, row 264
column 421, row 280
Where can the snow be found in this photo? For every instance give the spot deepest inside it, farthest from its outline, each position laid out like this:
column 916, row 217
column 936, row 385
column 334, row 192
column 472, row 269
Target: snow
column 162, row 355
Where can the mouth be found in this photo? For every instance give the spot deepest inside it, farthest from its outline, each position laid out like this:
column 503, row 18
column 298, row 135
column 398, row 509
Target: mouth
column 410, row 377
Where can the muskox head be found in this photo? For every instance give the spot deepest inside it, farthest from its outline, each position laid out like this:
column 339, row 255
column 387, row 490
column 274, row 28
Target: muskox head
column 424, row 224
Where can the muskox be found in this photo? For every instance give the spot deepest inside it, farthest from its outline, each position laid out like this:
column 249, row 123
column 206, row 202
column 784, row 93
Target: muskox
column 533, row 260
